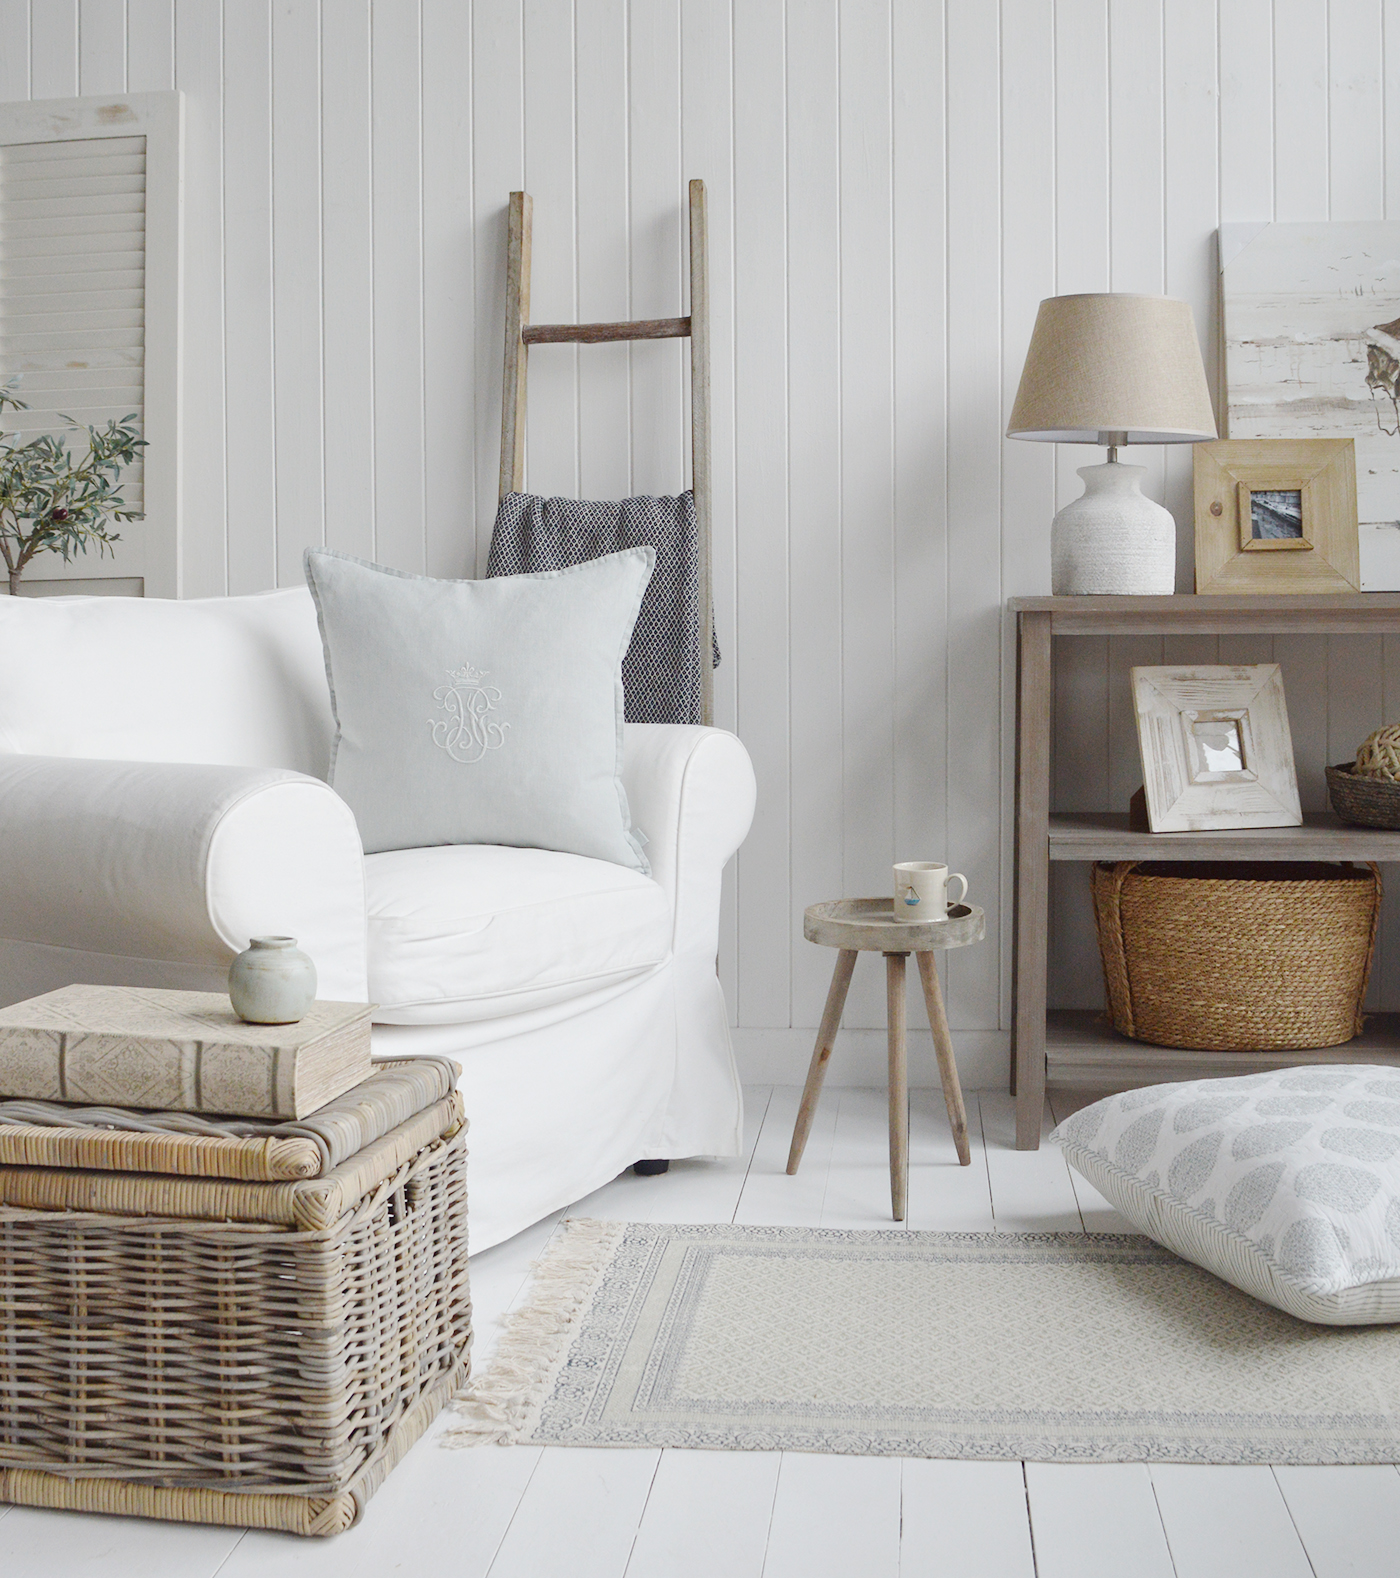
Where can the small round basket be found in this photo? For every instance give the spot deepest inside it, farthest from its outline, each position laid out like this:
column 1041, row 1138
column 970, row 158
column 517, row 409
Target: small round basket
column 1236, row 957
column 1370, row 802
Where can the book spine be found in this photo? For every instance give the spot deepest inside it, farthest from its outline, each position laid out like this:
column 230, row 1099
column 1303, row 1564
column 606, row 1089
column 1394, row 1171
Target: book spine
column 237, row 1078
column 129, row 1071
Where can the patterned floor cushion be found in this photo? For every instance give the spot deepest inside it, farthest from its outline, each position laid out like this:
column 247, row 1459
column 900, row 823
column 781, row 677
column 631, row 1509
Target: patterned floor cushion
column 1286, row 1184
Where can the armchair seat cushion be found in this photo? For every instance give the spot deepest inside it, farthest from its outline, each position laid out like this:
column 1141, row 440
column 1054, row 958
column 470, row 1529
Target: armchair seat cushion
column 460, row 933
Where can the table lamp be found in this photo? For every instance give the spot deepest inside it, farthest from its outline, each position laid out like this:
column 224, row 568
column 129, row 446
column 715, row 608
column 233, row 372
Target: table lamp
column 1113, row 369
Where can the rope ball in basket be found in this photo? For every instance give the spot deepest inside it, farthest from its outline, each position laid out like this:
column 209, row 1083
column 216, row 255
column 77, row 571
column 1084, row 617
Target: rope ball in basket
column 1379, row 755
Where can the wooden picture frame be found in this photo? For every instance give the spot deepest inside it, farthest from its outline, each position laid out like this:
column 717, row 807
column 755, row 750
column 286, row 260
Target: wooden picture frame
column 1216, row 747
column 1276, row 515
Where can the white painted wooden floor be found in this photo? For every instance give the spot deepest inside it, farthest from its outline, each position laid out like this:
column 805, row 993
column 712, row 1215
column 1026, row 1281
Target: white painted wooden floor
column 557, row 1512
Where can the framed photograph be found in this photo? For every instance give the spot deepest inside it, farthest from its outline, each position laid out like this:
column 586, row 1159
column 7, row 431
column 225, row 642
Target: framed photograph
column 1276, row 515
column 1311, row 349
column 1216, row 749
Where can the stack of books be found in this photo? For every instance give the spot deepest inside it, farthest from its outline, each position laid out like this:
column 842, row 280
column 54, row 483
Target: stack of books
column 130, row 1046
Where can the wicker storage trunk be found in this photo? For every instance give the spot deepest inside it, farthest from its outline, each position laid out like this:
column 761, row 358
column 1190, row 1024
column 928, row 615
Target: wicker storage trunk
column 1236, row 957
column 256, row 1354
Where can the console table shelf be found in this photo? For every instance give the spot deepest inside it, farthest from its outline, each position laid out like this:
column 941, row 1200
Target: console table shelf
column 1084, row 1052
column 1081, row 1051
column 1106, row 835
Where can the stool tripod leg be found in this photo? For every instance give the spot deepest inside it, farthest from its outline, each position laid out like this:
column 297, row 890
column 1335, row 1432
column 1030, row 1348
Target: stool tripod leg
column 821, row 1053
column 897, row 1015
column 943, row 1047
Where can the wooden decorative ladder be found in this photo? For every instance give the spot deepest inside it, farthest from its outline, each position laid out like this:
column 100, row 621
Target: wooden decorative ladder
column 521, row 334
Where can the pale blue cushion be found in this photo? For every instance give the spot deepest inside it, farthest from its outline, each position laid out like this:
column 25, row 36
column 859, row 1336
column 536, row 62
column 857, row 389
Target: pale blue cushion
column 481, row 712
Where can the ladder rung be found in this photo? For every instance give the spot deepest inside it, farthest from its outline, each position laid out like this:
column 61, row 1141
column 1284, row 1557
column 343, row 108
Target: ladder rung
column 596, row 333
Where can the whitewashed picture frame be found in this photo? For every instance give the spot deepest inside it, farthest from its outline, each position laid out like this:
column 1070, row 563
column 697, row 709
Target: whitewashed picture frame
column 1216, row 748
column 1311, row 319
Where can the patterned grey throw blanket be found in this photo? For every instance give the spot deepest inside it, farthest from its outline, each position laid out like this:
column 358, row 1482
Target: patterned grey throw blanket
column 661, row 673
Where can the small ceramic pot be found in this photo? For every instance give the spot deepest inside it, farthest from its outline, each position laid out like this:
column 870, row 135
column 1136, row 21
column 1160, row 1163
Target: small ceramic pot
column 272, row 982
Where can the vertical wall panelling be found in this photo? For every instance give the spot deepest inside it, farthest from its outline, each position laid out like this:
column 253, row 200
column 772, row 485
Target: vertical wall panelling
column 199, row 72
column 400, row 533
column 347, row 278
column 973, row 98
column 867, row 491
column 498, row 168
column 707, row 151
column 893, row 187
column 921, row 754
column 600, row 175
column 53, row 49
column 761, row 543
column 1190, row 182
column 297, row 227
column 1081, row 149
column 102, row 40
column 1390, row 101
column 150, row 45
column 449, row 300
column 659, row 238
column 14, row 49
column 1355, row 122
column 1247, row 109
column 1136, row 220
column 552, row 418
column 250, row 417
column 1300, row 116
column 813, row 251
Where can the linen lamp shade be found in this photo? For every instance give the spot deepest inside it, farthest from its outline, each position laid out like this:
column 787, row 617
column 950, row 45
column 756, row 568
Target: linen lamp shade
column 1113, row 369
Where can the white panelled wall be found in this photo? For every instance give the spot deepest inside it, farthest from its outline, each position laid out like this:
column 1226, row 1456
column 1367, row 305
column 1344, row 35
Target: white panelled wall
column 894, row 185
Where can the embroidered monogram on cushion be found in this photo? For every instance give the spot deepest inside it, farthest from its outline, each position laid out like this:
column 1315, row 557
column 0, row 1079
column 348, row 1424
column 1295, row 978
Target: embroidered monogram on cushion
column 468, row 731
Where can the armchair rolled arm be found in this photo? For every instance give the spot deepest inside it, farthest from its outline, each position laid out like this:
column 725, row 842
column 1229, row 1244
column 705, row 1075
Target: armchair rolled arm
column 180, row 862
column 691, row 790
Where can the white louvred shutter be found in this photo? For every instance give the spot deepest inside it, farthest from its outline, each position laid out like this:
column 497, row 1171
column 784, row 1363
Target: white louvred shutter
column 73, row 282
column 89, row 286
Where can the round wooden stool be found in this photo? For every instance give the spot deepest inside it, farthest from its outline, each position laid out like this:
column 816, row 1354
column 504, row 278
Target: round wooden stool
column 869, row 925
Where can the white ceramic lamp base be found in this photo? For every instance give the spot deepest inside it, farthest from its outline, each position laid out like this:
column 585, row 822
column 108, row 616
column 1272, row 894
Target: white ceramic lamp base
column 1114, row 539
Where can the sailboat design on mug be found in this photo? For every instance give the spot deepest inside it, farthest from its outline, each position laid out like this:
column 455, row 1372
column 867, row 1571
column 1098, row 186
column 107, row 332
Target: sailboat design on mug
column 921, row 890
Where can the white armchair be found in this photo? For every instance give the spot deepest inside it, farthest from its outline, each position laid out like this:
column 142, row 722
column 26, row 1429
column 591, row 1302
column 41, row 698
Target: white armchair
column 160, row 800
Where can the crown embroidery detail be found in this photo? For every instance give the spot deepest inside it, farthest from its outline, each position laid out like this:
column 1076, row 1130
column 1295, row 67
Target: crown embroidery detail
column 469, row 730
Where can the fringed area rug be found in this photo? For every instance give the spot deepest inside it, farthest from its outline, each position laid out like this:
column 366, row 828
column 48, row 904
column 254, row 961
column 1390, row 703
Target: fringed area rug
column 1057, row 1347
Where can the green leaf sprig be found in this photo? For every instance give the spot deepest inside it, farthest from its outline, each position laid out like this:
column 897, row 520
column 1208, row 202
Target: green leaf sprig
column 56, row 500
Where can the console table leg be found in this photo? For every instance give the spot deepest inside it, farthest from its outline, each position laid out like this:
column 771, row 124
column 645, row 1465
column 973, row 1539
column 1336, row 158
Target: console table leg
column 821, row 1053
column 899, row 1082
column 943, row 1048
column 1031, row 927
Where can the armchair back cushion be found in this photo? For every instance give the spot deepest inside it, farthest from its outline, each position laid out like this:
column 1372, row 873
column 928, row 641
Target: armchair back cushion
column 231, row 681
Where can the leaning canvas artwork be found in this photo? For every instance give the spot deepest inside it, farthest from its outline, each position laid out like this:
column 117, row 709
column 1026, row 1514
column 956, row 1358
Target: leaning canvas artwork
column 1312, row 350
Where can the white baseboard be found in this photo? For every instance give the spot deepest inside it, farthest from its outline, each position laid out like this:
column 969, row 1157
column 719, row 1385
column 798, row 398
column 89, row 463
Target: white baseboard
column 780, row 1057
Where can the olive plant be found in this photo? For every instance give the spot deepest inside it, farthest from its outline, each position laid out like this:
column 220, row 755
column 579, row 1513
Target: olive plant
column 57, row 500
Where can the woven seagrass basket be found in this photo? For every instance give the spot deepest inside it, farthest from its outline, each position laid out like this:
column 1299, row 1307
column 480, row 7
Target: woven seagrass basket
column 1236, row 957
column 253, row 1354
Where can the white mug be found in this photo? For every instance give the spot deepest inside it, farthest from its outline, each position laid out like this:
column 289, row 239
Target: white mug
column 921, row 890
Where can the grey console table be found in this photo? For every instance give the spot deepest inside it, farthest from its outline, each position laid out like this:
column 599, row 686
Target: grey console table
column 1079, row 1050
